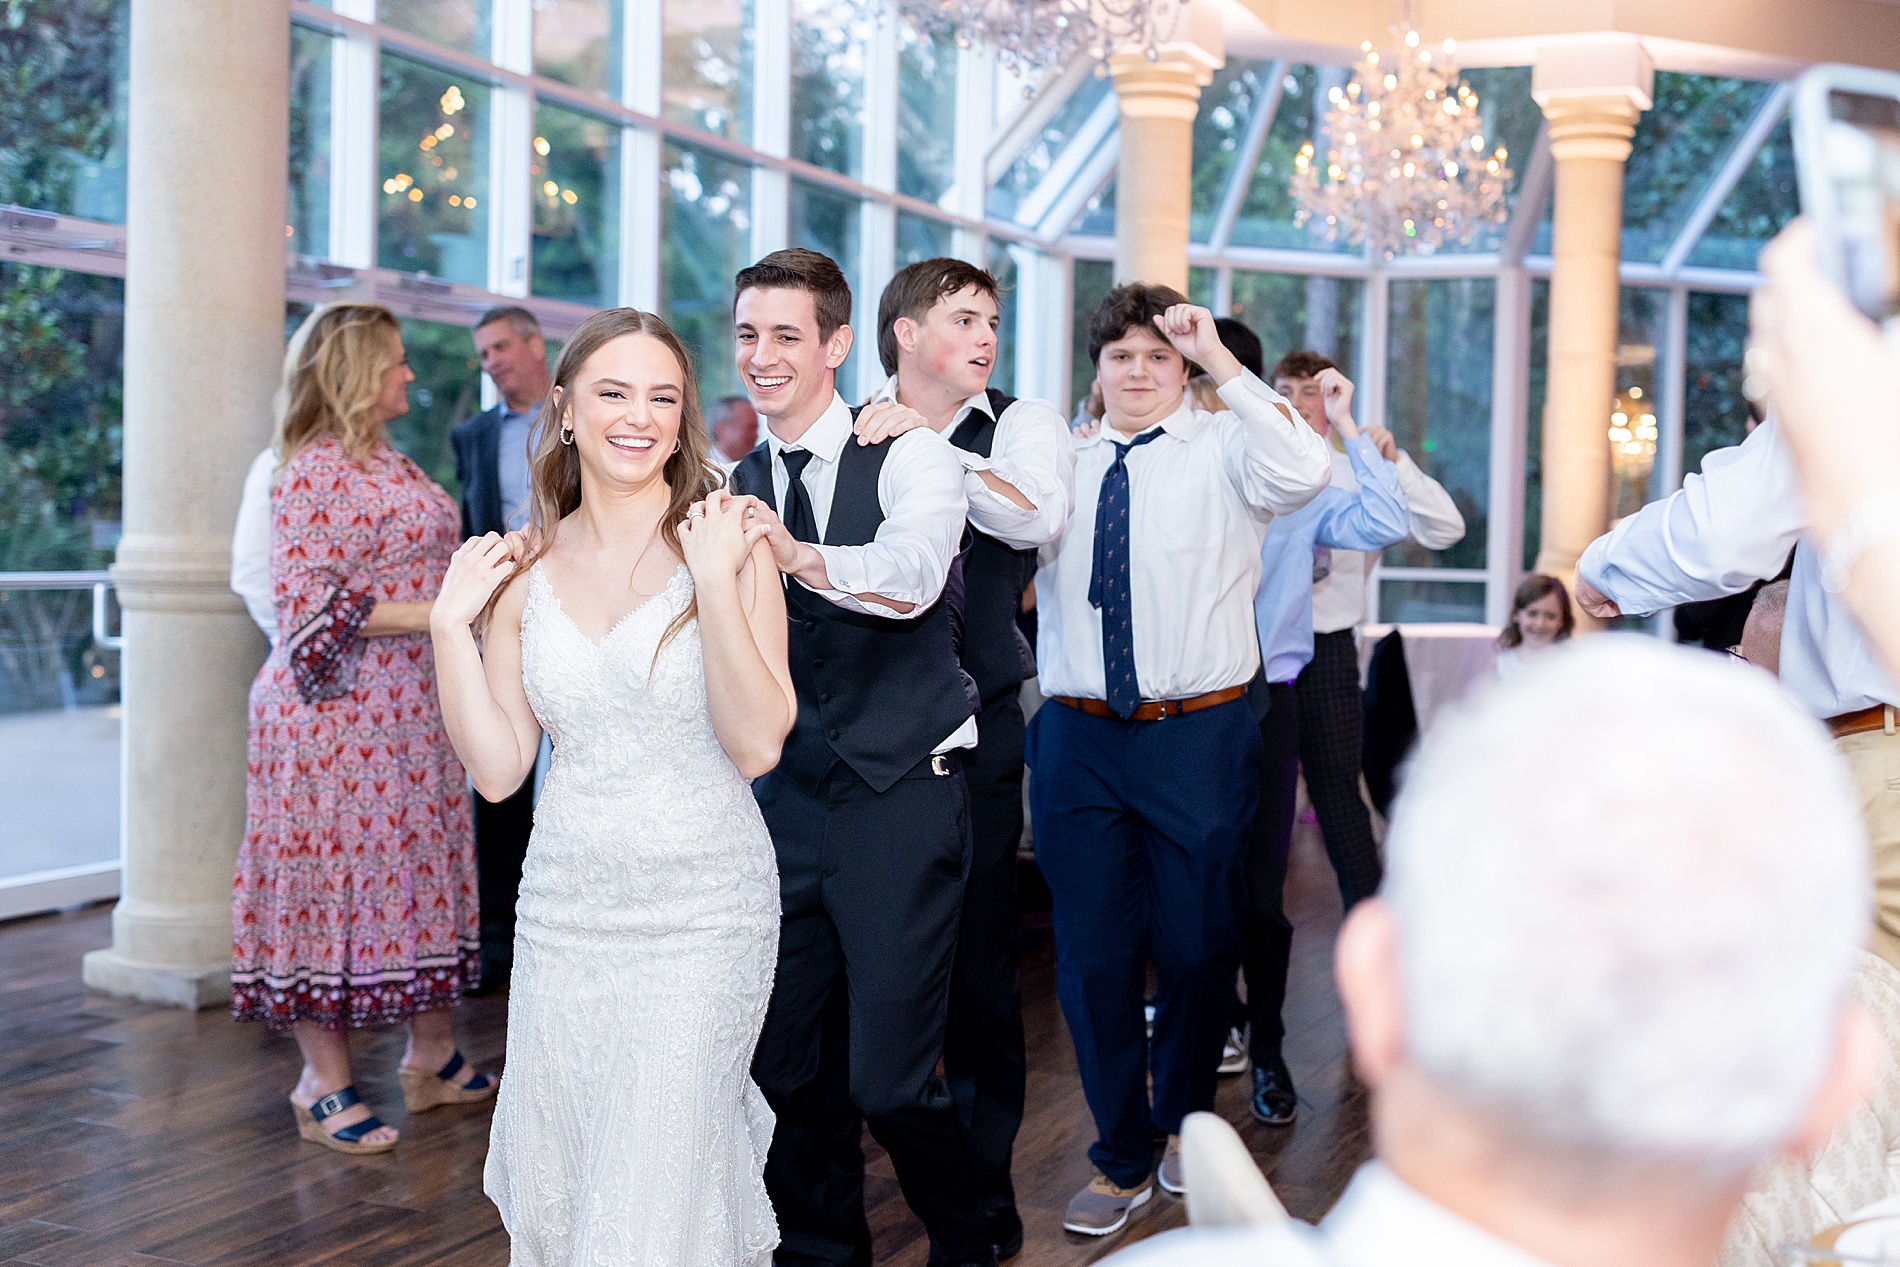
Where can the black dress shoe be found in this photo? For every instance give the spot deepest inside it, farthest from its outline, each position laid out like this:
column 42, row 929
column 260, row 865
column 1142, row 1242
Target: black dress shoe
column 1273, row 1100
column 1006, row 1231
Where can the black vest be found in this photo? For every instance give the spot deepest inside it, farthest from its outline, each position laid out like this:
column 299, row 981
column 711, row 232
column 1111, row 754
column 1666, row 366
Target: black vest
column 995, row 575
column 875, row 693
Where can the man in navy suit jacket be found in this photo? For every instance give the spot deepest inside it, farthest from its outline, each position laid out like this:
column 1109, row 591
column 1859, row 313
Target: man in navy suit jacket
column 491, row 463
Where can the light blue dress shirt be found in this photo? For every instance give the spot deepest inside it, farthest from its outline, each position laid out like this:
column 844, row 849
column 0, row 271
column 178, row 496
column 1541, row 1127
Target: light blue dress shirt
column 1370, row 519
column 511, row 463
column 1727, row 527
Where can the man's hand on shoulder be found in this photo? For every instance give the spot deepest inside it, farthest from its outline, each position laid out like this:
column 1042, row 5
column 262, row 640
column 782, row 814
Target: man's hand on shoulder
column 882, row 419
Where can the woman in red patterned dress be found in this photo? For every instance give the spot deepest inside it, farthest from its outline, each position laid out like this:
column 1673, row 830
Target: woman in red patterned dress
column 355, row 900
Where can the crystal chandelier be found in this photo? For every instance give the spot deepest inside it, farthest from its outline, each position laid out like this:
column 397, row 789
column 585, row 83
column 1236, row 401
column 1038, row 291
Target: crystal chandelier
column 1407, row 164
column 1030, row 36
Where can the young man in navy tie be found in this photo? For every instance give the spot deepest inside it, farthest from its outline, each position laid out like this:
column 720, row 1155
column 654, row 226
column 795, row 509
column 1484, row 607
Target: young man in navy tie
column 1146, row 758
column 868, row 809
column 937, row 338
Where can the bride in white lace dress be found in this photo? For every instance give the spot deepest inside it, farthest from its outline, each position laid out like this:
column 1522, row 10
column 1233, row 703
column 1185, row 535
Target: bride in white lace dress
column 640, row 623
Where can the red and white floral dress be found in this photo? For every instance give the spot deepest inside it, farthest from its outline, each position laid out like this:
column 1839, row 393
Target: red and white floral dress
column 355, row 901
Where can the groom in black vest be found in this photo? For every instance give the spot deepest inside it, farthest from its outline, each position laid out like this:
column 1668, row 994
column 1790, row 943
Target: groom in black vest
column 868, row 809
column 937, row 337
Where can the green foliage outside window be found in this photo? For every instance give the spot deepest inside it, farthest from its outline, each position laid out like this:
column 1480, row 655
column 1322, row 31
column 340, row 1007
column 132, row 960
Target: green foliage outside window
column 62, row 106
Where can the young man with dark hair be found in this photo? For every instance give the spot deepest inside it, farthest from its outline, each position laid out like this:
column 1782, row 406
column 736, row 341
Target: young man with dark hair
column 1147, row 756
column 1311, row 599
column 868, row 809
column 937, row 338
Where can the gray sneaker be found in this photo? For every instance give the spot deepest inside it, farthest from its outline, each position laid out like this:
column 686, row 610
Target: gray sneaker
column 1173, row 1177
column 1102, row 1208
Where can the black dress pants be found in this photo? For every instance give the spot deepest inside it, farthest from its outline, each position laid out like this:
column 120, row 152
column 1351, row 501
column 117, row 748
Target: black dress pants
column 983, row 1049
column 1332, row 727
column 871, row 892
column 501, row 843
column 1269, row 942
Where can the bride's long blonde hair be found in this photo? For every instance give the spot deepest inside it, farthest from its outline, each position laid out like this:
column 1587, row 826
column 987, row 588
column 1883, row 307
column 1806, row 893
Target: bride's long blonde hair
column 555, row 468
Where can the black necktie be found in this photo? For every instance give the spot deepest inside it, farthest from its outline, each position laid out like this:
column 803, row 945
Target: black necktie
column 1108, row 580
column 798, row 514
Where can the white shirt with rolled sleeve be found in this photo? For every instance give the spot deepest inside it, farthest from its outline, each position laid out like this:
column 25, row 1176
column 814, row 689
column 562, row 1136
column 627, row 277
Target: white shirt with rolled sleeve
column 1728, row 526
column 1033, row 453
column 250, row 545
column 1339, row 601
column 1200, row 500
column 919, row 489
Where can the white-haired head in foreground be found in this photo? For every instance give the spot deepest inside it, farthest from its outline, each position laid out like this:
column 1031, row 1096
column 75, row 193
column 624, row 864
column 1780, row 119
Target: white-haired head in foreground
column 1626, row 888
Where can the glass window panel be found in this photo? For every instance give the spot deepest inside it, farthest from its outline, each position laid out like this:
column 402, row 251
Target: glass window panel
column 1636, row 477
column 706, row 48
column 1430, row 602
column 1027, row 172
column 307, row 212
column 707, row 238
column 575, row 170
column 448, row 389
column 1002, row 266
column 62, row 337
column 578, row 42
column 1511, row 118
column 926, row 114
column 462, row 24
column 1680, row 143
column 922, row 238
column 1266, row 215
column 1714, row 415
column 828, row 221
column 1438, row 401
column 1760, row 206
column 62, row 136
column 1220, row 128
column 1537, row 382
column 829, row 42
column 1090, row 281
column 432, row 157
column 1291, row 313
column 1201, row 285
column 1098, row 216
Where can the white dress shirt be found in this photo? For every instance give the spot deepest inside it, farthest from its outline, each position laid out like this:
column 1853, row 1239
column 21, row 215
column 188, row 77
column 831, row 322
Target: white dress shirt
column 250, row 544
column 1032, row 452
column 1339, row 600
column 1200, row 500
column 1727, row 527
column 920, row 490
column 1380, row 1222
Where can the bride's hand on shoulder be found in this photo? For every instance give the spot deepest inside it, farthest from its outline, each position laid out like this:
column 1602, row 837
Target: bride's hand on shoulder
column 716, row 537
column 476, row 570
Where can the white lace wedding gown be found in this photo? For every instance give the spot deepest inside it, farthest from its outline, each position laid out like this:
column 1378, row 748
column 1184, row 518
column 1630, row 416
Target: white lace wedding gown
column 628, row 1131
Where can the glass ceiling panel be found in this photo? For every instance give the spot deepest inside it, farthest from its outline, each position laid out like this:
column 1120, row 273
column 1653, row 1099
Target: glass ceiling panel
column 1027, row 172
column 1098, row 217
column 1680, row 144
column 1511, row 118
column 1220, row 129
column 1762, row 202
column 1266, row 216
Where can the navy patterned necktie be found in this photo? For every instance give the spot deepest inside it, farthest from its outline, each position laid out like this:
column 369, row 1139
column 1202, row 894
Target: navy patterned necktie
column 798, row 515
column 1108, row 580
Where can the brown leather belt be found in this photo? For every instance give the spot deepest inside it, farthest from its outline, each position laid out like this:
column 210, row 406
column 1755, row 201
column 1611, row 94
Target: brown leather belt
column 1153, row 710
column 1860, row 721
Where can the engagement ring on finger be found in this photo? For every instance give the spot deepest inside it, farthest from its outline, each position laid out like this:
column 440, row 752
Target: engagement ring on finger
column 695, row 513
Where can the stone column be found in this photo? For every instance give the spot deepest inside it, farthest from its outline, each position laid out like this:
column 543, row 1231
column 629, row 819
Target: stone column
column 1159, row 100
column 204, row 321
column 1592, row 95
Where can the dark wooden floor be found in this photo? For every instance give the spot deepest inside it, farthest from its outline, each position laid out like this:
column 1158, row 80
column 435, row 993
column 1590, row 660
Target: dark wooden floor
column 140, row 1135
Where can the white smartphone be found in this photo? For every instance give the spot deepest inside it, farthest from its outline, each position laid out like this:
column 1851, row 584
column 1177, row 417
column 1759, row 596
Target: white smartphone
column 1847, row 160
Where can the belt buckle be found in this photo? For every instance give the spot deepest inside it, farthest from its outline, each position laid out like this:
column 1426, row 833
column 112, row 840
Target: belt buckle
column 939, row 765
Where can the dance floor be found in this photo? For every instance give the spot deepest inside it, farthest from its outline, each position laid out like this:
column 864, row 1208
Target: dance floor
column 132, row 1134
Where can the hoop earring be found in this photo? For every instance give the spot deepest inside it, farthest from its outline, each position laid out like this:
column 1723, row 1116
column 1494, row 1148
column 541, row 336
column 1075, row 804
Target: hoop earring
column 567, row 435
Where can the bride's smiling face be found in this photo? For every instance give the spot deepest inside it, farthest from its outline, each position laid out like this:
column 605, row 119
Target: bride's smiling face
column 628, row 401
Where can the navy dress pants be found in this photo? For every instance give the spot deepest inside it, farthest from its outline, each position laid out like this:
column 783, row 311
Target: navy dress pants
column 1269, row 932
column 1141, row 830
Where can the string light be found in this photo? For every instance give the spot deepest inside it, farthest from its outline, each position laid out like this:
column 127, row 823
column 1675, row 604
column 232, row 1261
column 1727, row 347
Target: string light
column 1029, row 35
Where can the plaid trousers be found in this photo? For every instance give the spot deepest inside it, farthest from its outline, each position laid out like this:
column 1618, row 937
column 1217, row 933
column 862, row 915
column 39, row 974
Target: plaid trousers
column 1332, row 726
